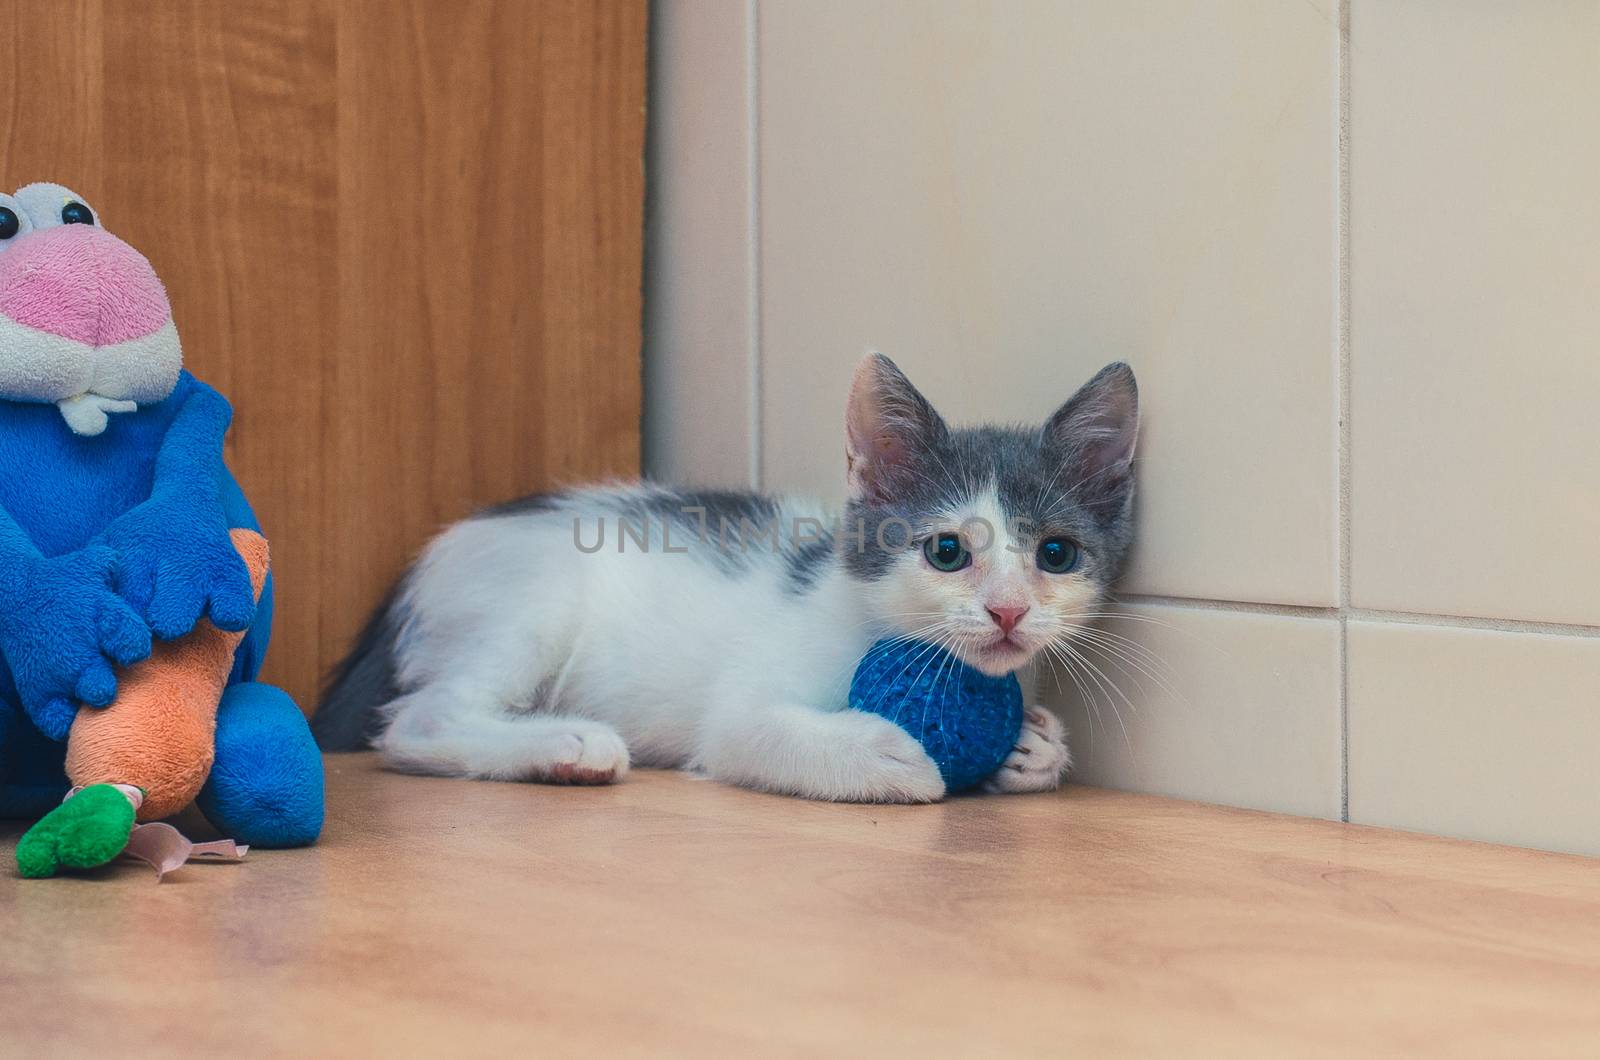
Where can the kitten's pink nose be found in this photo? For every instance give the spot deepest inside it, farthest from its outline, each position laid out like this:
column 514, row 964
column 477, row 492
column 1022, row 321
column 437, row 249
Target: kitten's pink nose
column 1007, row 617
column 82, row 283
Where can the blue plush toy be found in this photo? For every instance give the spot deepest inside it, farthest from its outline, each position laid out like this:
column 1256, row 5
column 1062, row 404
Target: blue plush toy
column 967, row 721
column 115, row 519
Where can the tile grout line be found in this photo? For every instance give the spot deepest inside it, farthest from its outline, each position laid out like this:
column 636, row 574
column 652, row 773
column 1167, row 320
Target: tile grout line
column 1243, row 607
column 1488, row 625
column 1364, row 614
column 1342, row 329
column 752, row 96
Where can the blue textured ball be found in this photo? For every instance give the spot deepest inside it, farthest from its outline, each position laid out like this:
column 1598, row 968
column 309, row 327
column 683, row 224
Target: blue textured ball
column 967, row 721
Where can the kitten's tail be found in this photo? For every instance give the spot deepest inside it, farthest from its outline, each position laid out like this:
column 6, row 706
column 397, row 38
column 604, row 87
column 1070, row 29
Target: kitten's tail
column 347, row 718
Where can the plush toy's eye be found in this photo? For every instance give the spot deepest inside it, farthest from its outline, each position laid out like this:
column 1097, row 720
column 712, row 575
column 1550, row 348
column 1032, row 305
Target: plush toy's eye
column 14, row 221
column 44, row 206
column 1057, row 555
column 946, row 553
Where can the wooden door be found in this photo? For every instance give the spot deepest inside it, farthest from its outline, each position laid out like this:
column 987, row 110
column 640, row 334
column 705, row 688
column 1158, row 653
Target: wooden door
column 403, row 236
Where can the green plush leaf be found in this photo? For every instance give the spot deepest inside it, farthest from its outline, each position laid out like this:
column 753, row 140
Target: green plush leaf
column 85, row 832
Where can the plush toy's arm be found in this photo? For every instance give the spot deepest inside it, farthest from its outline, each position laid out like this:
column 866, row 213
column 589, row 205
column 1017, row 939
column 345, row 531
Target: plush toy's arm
column 190, row 457
column 160, row 732
column 14, row 544
column 176, row 562
column 62, row 627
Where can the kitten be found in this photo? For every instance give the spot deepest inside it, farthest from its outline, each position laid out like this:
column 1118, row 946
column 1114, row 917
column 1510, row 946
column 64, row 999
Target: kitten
column 560, row 637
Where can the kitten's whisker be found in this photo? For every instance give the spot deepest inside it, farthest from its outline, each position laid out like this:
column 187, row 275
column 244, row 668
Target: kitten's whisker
column 1187, row 634
column 1131, row 671
column 1102, row 683
column 1056, row 677
column 938, row 683
column 927, row 652
column 1069, row 496
column 1135, row 650
column 1062, row 662
column 1112, row 685
column 884, row 619
column 879, row 648
column 1100, row 676
column 1137, row 654
column 1149, row 663
column 1131, row 616
column 939, row 644
column 837, row 689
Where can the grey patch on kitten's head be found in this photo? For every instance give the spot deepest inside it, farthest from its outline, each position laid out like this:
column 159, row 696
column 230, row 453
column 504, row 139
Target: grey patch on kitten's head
column 804, row 561
column 726, row 529
column 532, row 504
column 1071, row 477
column 711, row 509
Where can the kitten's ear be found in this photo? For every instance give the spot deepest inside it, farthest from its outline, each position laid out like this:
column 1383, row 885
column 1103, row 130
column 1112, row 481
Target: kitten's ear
column 888, row 425
column 1095, row 431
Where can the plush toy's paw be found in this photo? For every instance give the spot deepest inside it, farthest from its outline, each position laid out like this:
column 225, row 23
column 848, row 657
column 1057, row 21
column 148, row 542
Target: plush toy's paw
column 87, row 831
column 1038, row 761
column 176, row 560
column 62, row 628
column 176, row 563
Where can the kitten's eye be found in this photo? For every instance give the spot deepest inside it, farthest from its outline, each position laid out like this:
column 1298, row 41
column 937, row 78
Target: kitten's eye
column 10, row 224
column 1057, row 555
column 946, row 553
column 76, row 213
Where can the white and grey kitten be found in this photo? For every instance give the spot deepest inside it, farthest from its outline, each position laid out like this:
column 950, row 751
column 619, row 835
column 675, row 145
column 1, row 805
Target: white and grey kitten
column 560, row 637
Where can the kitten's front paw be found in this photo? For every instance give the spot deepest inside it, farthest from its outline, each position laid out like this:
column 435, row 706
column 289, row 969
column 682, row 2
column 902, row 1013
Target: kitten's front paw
column 882, row 763
column 591, row 753
column 1038, row 761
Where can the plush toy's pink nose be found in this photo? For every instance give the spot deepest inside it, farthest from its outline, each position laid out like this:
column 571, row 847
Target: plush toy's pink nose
column 82, row 283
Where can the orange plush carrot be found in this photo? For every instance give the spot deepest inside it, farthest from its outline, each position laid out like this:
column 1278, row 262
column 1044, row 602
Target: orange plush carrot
column 160, row 733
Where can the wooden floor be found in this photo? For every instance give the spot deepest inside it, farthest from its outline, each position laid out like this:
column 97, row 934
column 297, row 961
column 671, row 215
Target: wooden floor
column 673, row 915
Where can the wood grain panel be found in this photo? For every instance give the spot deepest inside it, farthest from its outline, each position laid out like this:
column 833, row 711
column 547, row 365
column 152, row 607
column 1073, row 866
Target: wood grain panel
column 51, row 74
column 234, row 228
column 404, row 237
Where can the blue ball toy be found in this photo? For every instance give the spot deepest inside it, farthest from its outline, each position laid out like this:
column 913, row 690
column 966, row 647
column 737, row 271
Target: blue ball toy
column 967, row 721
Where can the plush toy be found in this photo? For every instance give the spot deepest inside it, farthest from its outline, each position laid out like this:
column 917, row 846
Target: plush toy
column 135, row 602
column 967, row 721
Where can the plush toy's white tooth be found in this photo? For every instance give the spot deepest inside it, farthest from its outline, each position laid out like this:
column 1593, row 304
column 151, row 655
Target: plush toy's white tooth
column 83, row 416
column 87, row 414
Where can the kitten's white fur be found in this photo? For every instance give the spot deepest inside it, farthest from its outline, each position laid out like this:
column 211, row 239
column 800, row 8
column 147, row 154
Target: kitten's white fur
column 529, row 659
column 522, row 653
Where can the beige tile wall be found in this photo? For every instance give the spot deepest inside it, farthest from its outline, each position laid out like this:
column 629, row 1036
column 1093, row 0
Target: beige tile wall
column 1211, row 704
column 1485, row 734
column 700, row 313
column 1475, row 297
column 1357, row 271
column 1005, row 197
